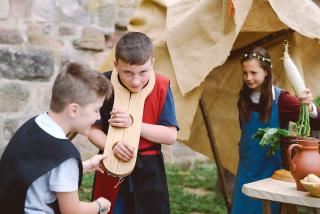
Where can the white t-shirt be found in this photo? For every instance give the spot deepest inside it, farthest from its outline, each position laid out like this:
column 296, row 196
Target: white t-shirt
column 63, row 178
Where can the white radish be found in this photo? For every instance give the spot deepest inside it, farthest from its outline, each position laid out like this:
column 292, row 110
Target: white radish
column 293, row 73
column 302, row 126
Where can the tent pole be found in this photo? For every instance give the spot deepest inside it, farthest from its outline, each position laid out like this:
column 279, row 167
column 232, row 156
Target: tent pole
column 215, row 153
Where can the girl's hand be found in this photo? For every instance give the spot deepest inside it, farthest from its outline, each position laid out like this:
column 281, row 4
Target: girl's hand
column 123, row 151
column 94, row 164
column 306, row 97
column 120, row 119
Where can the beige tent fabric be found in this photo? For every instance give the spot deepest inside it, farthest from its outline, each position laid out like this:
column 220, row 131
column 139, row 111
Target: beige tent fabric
column 151, row 19
column 262, row 18
column 311, row 64
column 192, row 41
column 300, row 15
column 186, row 106
column 204, row 27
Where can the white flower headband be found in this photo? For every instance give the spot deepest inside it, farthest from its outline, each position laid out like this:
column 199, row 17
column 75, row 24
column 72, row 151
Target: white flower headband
column 254, row 55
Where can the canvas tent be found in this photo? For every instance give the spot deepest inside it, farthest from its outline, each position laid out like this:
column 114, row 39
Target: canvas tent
column 197, row 46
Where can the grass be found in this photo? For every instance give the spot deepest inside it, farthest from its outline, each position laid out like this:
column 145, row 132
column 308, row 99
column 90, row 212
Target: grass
column 201, row 177
column 86, row 187
column 191, row 190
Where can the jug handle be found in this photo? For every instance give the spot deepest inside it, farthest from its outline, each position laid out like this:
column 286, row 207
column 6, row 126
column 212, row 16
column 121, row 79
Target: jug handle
column 291, row 147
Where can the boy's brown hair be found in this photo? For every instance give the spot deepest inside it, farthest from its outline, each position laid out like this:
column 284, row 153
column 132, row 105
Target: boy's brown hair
column 134, row 48
column 78, row 84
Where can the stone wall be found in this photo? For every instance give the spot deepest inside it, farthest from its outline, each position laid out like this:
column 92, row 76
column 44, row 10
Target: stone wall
column 37, row 36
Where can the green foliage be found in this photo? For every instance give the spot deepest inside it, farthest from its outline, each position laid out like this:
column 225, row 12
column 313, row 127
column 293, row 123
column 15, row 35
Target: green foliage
column 317, row 101
column 271, row 137
column 86, row 187
column 181, row 182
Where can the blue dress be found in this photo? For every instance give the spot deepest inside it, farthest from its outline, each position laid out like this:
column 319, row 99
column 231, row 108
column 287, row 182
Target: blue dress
column 254, row 164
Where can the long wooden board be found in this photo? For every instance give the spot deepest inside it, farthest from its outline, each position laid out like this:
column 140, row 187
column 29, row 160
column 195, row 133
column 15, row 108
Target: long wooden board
column 134, row 104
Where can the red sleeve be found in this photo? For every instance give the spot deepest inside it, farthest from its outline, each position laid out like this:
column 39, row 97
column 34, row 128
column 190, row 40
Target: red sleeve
column 289, row 109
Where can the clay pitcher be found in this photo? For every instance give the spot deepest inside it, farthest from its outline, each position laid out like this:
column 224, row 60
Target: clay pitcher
column 305, row 161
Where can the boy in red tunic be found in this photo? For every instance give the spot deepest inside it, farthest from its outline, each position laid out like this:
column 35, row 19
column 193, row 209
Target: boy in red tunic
column 145, row 190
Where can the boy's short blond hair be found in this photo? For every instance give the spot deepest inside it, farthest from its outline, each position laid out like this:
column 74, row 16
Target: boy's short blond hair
column 79, row 84
column 134, row 48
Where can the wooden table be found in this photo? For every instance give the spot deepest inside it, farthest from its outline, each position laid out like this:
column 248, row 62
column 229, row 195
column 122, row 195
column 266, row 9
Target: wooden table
column 284, row 192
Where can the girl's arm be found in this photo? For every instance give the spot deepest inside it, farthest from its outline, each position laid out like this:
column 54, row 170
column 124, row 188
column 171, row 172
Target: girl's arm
column 289, row 109
column 69, row 203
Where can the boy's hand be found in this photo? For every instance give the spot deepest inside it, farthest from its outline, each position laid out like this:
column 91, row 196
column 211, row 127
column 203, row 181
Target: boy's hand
column 123, row 151
column 120, row 119
column 105, row 204
column 94, row 164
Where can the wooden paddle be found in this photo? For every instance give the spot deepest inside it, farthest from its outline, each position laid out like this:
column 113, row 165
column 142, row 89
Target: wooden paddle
column 133, row 103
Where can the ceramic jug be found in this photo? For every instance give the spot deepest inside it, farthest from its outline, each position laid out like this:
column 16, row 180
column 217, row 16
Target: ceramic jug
column 306, row 159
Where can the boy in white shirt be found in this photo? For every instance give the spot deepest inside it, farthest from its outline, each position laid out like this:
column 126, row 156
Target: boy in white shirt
column 40, row 169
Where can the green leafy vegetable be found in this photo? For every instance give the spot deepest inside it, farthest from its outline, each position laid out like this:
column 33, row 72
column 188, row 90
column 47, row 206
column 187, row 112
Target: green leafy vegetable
column 302, row 127
column 317, row 101
column 271, row 137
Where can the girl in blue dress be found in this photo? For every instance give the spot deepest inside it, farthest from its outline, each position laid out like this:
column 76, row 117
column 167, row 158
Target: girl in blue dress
column 261, row 105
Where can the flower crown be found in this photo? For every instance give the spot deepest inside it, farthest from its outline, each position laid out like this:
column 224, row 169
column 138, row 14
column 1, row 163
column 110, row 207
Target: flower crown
column 254, row 55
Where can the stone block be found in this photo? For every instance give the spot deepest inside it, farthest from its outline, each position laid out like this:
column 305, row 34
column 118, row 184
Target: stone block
column 11, row 125
column 67, row 31
column 10, row 36
column 4, row 9
column 37, row 38
column 73, row 11
column 124, row 16
column 99, row 58
column 14, row 97
column 91, row 39
column 18, row 9
column 106, row 14
column 26, row 64
column 41, row 97
column 43, row 11
column 127, row 3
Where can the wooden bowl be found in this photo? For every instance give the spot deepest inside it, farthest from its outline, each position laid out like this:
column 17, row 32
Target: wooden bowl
column 312, row 188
